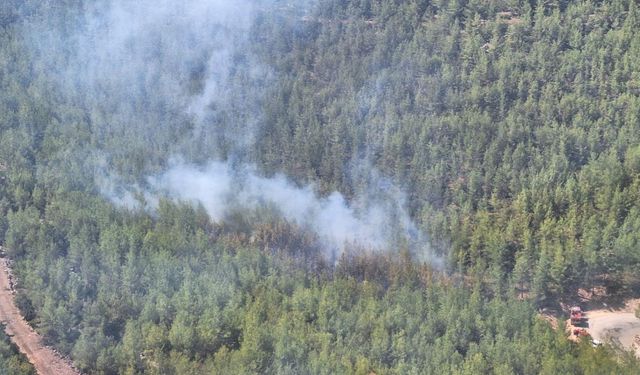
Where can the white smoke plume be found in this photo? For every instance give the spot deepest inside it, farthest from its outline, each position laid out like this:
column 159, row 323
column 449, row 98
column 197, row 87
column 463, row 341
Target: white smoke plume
column 219, row 188
column 164, row 75
column 159, row 74
column 377, row 222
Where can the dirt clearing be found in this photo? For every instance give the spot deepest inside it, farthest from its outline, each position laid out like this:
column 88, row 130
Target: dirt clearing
column 617, row 326
column 620, row 327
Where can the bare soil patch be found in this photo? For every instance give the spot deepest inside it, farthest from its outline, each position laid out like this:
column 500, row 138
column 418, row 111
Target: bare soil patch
column 620, row 327
column 614, row 324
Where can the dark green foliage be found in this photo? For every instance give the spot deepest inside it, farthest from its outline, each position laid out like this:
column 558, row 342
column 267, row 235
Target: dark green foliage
column 23, row 303
column 184, row 295
column 514, row 127
column 11, row 361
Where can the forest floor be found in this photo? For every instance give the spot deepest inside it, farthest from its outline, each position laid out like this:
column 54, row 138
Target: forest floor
column 45, row 360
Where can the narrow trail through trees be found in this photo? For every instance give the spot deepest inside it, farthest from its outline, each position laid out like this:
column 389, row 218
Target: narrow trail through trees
column 45, row 360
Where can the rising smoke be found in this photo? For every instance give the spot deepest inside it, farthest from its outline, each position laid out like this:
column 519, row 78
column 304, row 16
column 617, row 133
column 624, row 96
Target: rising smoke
column 221, row 189
column 176, row 82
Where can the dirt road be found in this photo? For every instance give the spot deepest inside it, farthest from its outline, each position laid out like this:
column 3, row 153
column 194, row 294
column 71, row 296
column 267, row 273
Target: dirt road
column 45, row 360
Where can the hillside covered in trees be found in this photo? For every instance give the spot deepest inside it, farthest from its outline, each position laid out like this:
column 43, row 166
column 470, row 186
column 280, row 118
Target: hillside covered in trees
column 511, row 127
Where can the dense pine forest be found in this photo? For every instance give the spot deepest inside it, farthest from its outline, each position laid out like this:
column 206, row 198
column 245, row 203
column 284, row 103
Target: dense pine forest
column 511, row 127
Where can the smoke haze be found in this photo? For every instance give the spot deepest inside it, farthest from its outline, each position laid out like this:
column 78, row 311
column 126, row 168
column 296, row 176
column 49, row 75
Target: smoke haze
column 188, row 98
column 221, row 189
